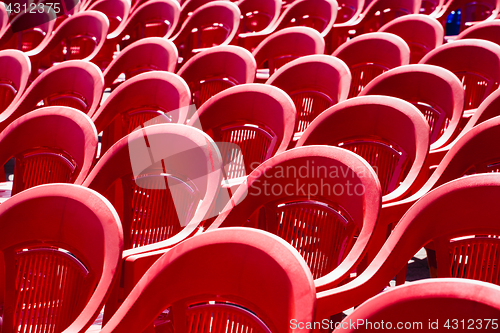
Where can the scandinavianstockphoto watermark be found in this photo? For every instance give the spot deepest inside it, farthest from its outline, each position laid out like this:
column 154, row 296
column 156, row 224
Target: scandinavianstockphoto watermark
column 308, row 180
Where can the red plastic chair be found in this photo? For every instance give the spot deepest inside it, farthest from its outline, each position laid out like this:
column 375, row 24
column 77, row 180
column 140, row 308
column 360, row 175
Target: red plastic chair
column 50, row 145
column 188, row 7
column 61, row 249
column 230, row 280
column 155, row 18
column 215, row 23
column 316, row 14
column 28, row 30
column 284, row 46
column 316, row 198
column 439, row 305
column 435, row 91
column 475, row 62
column 489, row 30
column 216, row 69
column 258, row 118
column 147, row 54
column 15, row 70
column 457, row 15
column 4, row 17
column 443, row 216
column 314, row 83
column 117, row 12
column 391, row 134
column 146, row 99
column 74, row 83
column 370, row 55
column 374, row 16
column 79, row 37
column 473, row 152
column 257, row 15
column 157, row 197
column 488, row 109
column 422, row 33
column 432, row 7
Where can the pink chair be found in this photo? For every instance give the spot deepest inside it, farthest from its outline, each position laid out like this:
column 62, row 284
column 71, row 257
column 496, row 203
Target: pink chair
column 298, row 196
column 457, row 15
column 314, row 83
column 147, row 54
column 431, row 304
column 317, row 14
column 370, row 55
column 28, row 30
column 422, row 33
column 74, row 83
column 61, row 249
column 475, row 62
column 215, row 23
column 435, row 91
column 117, row 12
column 284, row 46
column 145, row 99
column 188, row 7
column 391, row 134
column 443, row 216
column 375, row 14
column 50, row 145
column 155, row 18
column 15, row 70
column 488, row 30
column 230, row 280
column 79, row 37
column 260, row 121
column 216, row 69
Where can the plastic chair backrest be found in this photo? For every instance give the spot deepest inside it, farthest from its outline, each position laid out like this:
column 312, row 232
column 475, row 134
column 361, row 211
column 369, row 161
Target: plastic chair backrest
column 216, row 69
column 252, row 279
column 316, row 198
column 429, row 304
column 370, row 55
column 146, row 99
column 317, row 14
column 488, row 30
column 314, row 83
column 28, row 30
column 475, row 62
column 488, row 109
column 349, row 10
column 390, row 133
column 74, row 83
column 117, row 12
column 147, row 54
column 156, row 197
column 286, row 45
column 214, row 23
column 79, row 37
column 443, row 214
column 50, row 145
column 15, row 70
column 62, row 247
column 187, row 9
column 258, row 118
column 422, row 33
column 435, row 91
column 258, row 14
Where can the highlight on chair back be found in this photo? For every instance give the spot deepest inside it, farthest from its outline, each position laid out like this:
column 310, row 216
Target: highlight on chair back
column 61, row 250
